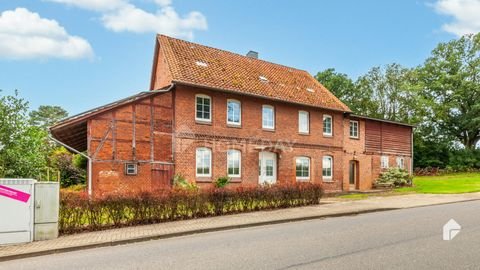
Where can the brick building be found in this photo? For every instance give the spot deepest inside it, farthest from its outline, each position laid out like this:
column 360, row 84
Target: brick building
column 213, row 113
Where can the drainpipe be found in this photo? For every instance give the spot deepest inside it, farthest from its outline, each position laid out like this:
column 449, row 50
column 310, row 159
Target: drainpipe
column 82, row 154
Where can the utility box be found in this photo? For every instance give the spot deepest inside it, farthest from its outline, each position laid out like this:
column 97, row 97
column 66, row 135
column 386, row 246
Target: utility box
column 16, row 210
column 47, row 197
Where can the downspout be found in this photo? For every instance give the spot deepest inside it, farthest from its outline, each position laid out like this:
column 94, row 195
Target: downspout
column 411, row 157
column 82, row 154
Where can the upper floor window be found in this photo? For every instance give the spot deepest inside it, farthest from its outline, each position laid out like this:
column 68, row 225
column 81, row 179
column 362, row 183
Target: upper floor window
column 234, row 112
column 302, row 168
column 303, row 122
column 401, row 162
column 234, row 160
column 353, row 129
column 384, row 162
column 327, row 168
column 268, row 117
column 203, row 108
column 204, row 162
column 327, row 125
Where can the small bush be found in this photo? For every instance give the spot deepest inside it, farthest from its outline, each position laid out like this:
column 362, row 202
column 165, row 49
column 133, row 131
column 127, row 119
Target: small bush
column 180, row 182
column 395, row 177
column 221, row 182
column 78, row 212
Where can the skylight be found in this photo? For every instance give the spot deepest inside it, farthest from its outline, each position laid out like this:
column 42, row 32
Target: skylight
column 263, row 79
column 310, row 90
column 202, row 64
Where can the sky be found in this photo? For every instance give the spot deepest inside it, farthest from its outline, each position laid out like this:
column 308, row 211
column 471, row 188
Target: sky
column 80, row 54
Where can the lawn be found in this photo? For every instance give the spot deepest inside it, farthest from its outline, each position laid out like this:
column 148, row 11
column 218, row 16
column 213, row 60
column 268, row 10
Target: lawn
column 445, row 184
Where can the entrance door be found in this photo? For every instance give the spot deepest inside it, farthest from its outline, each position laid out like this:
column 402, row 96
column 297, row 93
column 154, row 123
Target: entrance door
column 267, row 171
column 353, row 175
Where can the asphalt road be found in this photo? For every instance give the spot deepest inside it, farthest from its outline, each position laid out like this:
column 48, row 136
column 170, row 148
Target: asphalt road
column 400, row 239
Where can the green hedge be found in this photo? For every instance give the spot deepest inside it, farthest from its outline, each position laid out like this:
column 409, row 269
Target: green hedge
column 79, row 213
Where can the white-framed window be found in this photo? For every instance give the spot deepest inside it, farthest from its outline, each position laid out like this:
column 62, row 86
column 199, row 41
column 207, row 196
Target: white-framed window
column 204, row 162
column 384, row 162
column 203, row 108
column 327, row 168
column 234, row 112
column 327, row 125
column 303, row 122
column 268, row 117
column 302, row 168
column 353, row 129
column 131, row 169
column 234, row 163
column 401, row 163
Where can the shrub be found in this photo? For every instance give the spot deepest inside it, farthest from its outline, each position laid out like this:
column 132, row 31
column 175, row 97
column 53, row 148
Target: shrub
column 78, row 212
column 180, row 182
column 395, row 177
column 221, row 182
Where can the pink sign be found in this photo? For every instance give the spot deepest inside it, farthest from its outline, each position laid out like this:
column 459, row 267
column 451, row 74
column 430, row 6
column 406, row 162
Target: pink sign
column 14, row 194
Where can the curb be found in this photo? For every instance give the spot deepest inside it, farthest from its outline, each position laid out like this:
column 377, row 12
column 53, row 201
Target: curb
column 223, row 228
column 171, row 235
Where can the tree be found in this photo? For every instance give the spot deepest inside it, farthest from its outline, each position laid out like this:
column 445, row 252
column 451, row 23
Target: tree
column 46, row 116
column 451, row 81
column 22, row 146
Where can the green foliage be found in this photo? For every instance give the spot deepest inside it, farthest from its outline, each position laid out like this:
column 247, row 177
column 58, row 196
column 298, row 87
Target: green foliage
column 179, row 182
column 221, row 182
column 395, row 177
column 22, row 147
column 70, row 174
column 78, row 212
column 45, row 116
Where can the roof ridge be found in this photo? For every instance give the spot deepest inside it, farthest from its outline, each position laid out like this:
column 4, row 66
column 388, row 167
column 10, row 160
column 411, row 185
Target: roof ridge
column 238, row 54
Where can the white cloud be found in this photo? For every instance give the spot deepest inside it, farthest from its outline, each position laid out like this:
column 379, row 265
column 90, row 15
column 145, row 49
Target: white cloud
column 25, row 35
column 95, row 5
column 165, row 21
column 123, row 16
column 465, row 13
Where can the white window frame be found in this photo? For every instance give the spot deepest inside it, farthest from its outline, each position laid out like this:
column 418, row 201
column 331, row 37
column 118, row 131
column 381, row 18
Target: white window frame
column 307, row 117
column 303, row 178
column 327, row 178
column 325, row 116
column 239, row 162
column 239, row 123
column 206, row 150
column 131, row 166
column 358, row 129
column 210, row 108
column 272, row 127
column 401, row 162
column 384, row 160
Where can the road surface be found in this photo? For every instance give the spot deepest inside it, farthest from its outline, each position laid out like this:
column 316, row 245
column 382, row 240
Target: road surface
column 400, row 239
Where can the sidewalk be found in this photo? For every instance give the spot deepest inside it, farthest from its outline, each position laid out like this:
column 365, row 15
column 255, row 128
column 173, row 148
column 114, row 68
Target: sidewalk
column 330, row 207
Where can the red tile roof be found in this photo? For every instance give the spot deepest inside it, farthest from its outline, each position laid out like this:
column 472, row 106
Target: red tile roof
column 200, row 65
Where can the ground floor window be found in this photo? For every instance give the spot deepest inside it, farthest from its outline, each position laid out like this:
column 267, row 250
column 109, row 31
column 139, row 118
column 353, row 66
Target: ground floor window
column 302, row 168
column 234, row 163
column 384, row 162
column 401, row 162
column 204, row 162
column 327, row 168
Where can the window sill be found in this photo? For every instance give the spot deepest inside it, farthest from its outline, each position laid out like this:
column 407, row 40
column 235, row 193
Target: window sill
column 327, row 180
column 304, row 133
column 268, row 129
column 235, row 179
column 203, row 179
column 355, row 138
column 303, row 179
column 327, row 135
column 201, row 122
column 234, row 126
